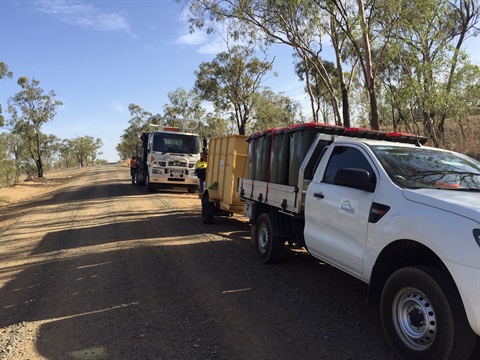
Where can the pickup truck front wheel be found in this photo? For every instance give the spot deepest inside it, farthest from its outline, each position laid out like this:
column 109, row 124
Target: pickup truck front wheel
column 423, row 317
column 269, row 248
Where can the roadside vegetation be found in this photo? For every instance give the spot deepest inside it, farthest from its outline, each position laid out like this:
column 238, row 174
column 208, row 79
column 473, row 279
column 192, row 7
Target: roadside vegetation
column 24, row 148
column 391, row 65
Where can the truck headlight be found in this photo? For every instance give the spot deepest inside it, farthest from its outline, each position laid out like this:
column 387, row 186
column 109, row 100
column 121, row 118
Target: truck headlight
column 476, row 235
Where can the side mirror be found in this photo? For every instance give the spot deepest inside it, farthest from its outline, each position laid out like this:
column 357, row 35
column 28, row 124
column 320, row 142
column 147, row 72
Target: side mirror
column 354, row 178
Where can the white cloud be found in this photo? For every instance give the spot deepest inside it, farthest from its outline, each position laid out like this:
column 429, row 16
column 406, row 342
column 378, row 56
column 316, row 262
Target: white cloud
column 196, row 38
column 215, row 46
column 205, row 43
column 80, row 13
column 117, row 105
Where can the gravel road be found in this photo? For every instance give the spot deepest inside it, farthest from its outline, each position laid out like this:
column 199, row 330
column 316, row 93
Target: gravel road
column 99, row 269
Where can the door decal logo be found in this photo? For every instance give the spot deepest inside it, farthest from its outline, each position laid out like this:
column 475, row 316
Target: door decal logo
column 348, row 207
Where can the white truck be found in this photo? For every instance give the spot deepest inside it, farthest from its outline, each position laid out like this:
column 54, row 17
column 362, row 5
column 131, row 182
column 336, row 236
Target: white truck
column 167, row 156
column 402, row 217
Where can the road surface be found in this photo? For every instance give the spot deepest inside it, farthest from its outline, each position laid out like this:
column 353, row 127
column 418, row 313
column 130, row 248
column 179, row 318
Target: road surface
column 101, row 269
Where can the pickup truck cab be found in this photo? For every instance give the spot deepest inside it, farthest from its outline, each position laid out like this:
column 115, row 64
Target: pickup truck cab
column 403, row 218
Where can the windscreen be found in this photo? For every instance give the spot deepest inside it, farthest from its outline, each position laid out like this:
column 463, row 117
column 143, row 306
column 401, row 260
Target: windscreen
column 176, row 143
column 417, row 168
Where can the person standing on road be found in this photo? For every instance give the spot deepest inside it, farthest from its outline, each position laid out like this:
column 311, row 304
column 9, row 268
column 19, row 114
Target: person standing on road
column 201, row 171
column 133, row 168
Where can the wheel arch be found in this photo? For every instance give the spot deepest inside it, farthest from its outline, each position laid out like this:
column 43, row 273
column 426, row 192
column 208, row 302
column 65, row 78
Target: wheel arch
column 396, row 255
column 281, row 223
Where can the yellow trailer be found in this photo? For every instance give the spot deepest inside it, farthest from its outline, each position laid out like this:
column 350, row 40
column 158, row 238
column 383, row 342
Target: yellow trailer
column 227, row 163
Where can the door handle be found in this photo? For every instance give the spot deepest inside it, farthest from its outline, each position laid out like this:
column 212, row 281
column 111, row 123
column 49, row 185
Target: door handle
column 319, row 195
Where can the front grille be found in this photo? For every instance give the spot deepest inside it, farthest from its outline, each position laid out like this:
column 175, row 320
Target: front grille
column 177, row 163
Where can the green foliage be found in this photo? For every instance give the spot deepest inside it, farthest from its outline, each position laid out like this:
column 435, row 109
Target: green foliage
column 7, row 165
column 4, row 72
column 231, row 81
column 85, row 149
column 274, row 111
column 130, row 138
column 403, row 58
column 30, row 109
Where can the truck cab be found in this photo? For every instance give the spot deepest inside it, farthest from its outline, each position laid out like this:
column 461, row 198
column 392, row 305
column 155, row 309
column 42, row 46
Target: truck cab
column 170, row 154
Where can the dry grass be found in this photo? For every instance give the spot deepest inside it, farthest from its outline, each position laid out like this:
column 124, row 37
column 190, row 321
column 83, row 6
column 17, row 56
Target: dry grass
column 465, row 139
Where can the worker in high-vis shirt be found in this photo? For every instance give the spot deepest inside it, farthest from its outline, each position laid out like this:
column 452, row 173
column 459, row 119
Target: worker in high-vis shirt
column 133, row 168
column 201, row 171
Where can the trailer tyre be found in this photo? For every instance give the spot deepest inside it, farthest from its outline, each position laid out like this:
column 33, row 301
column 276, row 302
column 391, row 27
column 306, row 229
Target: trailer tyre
column 147, row 184
column 423, row 316
column 208, row 210
column 269, row 248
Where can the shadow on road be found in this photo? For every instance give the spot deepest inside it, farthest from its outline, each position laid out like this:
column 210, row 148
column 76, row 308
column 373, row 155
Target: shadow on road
column 165, row 286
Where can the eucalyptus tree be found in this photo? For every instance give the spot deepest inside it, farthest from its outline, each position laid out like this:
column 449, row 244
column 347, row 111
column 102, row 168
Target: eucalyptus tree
column 4, row 72
column 8, row 173
column 66, row 154
column 425, row 76
column 85, row 148
column 30, row 109
column 323, row 108
column 139, row 123
column 184, row 105
column 299, row 24
column 307, row 26
column 231, row 80
column 274, row 110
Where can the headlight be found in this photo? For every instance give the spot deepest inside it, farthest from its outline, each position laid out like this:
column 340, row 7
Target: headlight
column 476, row 235
column 156, row 171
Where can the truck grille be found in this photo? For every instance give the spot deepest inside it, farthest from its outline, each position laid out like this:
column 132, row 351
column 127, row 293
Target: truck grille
column 177, row 163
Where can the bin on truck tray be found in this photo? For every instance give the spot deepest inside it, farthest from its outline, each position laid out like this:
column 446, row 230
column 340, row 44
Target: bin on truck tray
column 301, row 137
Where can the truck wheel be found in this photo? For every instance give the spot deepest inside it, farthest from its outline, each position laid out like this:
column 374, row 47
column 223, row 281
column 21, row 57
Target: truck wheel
column 147, row 184
column 208, row 210
column 423, row 316
column 269, row 248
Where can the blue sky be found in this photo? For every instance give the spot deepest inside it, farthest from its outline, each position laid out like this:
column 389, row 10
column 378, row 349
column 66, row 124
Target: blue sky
column 101, row 56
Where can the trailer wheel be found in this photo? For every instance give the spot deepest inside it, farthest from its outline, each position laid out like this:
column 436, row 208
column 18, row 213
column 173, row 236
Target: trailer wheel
column 140, row 182
column 423, row 316
column 147, row 184
column 208, row 210
column 269, row 248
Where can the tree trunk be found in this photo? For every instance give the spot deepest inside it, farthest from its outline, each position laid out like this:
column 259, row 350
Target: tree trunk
column 369, row 77
column 38, row 160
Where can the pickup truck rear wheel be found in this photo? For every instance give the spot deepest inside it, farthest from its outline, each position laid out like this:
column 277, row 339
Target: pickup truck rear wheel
column 269, row 248
column 423, row 316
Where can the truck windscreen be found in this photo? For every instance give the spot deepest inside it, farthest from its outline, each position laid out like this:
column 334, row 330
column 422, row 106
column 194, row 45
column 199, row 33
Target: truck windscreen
column 176, row 143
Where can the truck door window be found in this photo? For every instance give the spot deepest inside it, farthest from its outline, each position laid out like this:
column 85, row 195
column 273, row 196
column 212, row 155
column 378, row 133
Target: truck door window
column 346, row 157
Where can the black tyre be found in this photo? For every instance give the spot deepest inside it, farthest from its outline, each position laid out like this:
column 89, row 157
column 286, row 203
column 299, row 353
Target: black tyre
column 142, row 181
column 269, row 248
column 208, row 210
column 423, row 316
column 147, row 184
column 192, row 189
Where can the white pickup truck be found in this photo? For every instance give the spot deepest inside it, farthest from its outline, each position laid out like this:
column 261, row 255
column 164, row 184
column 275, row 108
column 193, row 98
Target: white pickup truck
column 403, row 218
